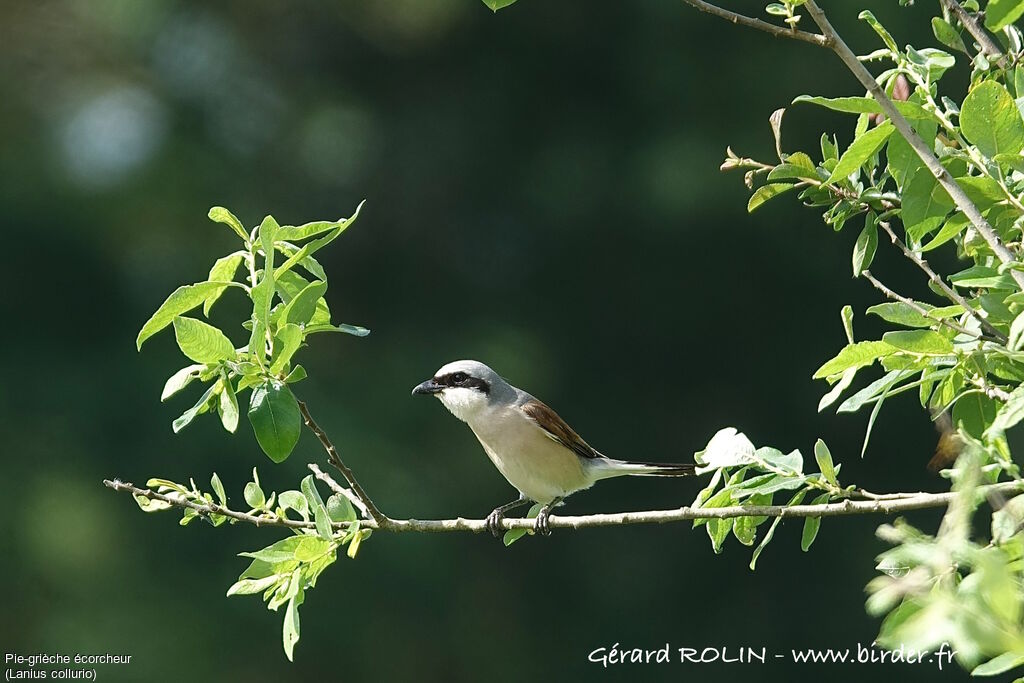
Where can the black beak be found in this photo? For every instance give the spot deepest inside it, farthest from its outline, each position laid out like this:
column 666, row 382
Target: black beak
column 427, row 388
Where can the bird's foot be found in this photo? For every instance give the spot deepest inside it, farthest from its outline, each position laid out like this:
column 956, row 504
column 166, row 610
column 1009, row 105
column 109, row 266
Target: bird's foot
column 493, row 522
column 541, row 525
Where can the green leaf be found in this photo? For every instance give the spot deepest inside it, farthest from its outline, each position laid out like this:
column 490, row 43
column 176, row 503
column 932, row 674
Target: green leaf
column 865, row 105
column 846, row 315
column 340, row 509
column 745, row 528
column 860, row 150
column 496, row 5
column 254, row 496
column 252, row 586
column 219, row 214
column 301, row 308
column 901, row 314
column 952, row 228
column 288, row 339
column 513, row 535
column 836, row 391
column 308, row 262
column 766, row 192
column 1007, row 660
column 825, row 465
column 290, row 631
column 297, row 374
column 223, row 270
column 201, row 406
column 311, row 548
column 901, row 159
column 275, row 419
column 183, row 299
column 1010, row 413
column 263, row 292
column 980, row 277
column 354, row 330
column 718, row 530
column 218, row 488
column 867, row 244
column 316, row 504
column 281, row 551
column 1001, row 13
column 1016, row 337
column 310, row 248
column 295, row 500
column 923, row 342
column 201, row 342
column 228, row 406
column 811, row 525
column 179, row 380
column 795, row 500
column 947, row 35
column 858, row 354
column 872, row 391
column 989, row 118
column 974, row 412
column 925, row 205
column 867, row 16
column 789, row 171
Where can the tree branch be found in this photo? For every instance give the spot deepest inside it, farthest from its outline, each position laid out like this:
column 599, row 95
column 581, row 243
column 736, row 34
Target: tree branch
column 830, row 39
column 888, row 506
column 988, row 46
column 750, row 22
column 381, row 520
column 916, row 306
column 950, row 293
column 945, row 179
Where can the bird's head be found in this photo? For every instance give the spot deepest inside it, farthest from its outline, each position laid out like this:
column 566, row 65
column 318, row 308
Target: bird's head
column 465, row 387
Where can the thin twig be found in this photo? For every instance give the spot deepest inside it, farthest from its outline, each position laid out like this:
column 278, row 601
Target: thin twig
column 988, row 46
column 943, row 176
column 750, row 22
column 950, row 293
column 382, row 521
column 338, row 488
column 916, row 306
column 904, row 503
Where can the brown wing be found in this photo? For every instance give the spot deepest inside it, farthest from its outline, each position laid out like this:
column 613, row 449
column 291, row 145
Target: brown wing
column 557, row 429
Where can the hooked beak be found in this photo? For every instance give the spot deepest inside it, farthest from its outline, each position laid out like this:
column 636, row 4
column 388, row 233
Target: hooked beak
column 427, row 388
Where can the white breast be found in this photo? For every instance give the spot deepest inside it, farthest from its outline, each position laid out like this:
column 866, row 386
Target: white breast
column 539, row 467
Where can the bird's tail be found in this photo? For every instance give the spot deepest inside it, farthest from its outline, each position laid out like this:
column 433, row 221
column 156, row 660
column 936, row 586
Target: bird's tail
column 608, row 467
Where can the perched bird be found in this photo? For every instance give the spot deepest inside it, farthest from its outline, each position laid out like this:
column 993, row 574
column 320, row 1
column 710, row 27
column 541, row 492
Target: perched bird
column 535, row 450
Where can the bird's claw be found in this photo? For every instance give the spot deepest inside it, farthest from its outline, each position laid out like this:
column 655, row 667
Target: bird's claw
column 493, row 523
column 541, row 525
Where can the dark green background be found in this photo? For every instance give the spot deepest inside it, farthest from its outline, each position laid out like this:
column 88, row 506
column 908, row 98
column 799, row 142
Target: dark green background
column 542, row 194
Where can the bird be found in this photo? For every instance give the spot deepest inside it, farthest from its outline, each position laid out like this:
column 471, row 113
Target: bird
column 533, row 448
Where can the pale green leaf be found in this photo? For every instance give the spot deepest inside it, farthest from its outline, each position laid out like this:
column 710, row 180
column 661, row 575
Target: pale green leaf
column 989, row 118
column 202, row 342
column 183, row 299
column 860, row 150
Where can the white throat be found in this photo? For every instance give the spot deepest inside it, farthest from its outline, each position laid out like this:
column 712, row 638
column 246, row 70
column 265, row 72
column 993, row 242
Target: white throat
column 465, row 404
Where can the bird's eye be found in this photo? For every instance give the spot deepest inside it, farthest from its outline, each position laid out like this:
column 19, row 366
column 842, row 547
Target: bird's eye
column 459, row 378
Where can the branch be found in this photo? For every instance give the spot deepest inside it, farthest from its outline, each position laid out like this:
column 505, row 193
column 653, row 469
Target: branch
column 830, row 39
column 945, row 179
column 338, row 488
column 950, row 293
column 750, row 22
column 887, row 506
column 916, row 306
column 988, row 46
column 380, row 519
